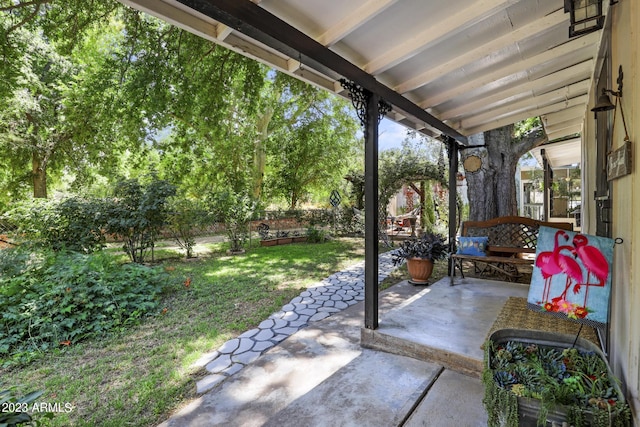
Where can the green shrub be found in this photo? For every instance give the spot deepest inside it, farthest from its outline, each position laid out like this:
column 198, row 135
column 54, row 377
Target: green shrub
column 236, row 210
column 348, row 223
column 186, row 219
column 137, row 213
column 74, row 223
column 52, row 299
column 316, row 235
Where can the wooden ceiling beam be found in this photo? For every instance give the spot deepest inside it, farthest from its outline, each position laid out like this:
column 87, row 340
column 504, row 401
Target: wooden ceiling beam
column 354, row 20
column 563, row 115
column 565, row 93
column 530, row 88
column 575, row 129
column 508, row 119
column 563, row 126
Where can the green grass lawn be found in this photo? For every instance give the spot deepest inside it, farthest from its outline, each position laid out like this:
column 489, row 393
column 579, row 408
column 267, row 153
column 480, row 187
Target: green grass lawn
column 139, row 377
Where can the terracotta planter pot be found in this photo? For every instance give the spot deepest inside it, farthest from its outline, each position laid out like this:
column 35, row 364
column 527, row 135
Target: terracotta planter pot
column 419, row 270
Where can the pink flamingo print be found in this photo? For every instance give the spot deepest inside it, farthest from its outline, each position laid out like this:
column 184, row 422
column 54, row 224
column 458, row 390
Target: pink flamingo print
column 555, row 262
column 593, row 260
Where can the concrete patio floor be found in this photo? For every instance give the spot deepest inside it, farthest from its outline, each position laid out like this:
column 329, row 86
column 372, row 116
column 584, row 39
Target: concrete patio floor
column 425, row 355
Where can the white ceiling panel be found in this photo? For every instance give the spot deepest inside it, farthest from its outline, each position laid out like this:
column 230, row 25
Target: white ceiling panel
column 472, row 64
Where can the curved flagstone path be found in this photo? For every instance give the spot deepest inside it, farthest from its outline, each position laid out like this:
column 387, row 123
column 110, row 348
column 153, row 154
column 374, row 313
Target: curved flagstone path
column 331, row 295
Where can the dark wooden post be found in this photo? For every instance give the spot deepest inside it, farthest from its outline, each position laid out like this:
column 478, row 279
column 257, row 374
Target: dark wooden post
column 370, row 108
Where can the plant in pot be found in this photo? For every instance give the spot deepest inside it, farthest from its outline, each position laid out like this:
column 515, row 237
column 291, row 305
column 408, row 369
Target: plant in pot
column 284, row 238
column 299, row 237
column 266, row 239
column 420, row 254
column 535, row 378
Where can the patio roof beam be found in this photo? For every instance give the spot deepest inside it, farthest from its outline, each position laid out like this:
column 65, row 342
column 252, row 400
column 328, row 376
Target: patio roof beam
column 257, row 23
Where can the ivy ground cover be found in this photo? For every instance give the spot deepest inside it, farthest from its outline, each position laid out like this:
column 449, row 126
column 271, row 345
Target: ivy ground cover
column 139, row 373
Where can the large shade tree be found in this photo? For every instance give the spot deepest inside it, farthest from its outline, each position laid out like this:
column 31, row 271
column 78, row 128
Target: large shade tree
column 312, row 141
column 56, row 95
column 143, row 94
column 33, row 127
column 491, row 166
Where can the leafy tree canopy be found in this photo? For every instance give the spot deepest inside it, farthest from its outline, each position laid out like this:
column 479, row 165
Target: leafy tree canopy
column 119, row 93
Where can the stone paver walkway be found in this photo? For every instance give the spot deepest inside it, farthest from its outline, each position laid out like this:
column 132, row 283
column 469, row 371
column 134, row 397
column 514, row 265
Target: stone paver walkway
column 331, row 295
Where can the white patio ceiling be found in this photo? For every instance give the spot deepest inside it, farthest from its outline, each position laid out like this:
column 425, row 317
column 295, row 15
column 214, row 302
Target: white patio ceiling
column 473, row 64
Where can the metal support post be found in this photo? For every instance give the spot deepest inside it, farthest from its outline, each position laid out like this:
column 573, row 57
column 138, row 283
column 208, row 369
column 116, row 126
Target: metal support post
column 452, row 148
column 370, row 109
column 371, row 215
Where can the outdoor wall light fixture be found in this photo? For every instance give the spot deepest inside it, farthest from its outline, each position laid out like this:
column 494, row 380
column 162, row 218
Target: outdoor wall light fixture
column 585, row 15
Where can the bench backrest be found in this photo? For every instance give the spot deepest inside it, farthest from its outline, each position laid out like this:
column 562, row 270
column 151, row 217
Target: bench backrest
column 510, row 233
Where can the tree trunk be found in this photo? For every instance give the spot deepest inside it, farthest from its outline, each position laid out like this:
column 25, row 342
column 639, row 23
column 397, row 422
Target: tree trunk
column 39, row 176
column 260, row 152
column 491, row 169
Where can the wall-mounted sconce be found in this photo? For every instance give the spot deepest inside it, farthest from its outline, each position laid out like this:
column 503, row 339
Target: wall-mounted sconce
column 604, row 103
column 585, row 15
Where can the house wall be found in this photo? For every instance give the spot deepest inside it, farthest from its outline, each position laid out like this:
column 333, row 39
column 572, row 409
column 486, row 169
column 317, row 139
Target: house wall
column 625, row 313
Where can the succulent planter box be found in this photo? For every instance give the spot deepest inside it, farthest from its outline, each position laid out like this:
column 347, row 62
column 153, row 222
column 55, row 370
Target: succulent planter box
column 285, row 240
column 535, row 378
column 299, row 239
column 269, row 242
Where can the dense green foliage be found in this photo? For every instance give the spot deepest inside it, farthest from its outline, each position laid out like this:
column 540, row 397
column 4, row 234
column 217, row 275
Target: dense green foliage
column 235, row 210
column 115, row 92
column 312, row 138
column 137, row 213
column 185, row 220
column 51, row 299
column 74, row 223
column 140, row 376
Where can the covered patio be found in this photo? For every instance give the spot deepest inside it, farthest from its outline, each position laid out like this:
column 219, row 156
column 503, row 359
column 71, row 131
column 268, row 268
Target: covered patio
column 450, row 70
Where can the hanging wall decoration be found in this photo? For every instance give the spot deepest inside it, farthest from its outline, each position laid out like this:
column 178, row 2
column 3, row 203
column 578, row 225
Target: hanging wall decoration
column 619, row 161
column 572, row 276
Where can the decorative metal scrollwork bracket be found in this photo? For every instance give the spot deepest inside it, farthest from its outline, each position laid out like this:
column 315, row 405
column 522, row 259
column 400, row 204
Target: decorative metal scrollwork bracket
column 360, row 97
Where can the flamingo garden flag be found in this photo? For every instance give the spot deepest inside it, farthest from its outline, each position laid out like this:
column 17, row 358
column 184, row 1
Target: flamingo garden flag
column 572, row 275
